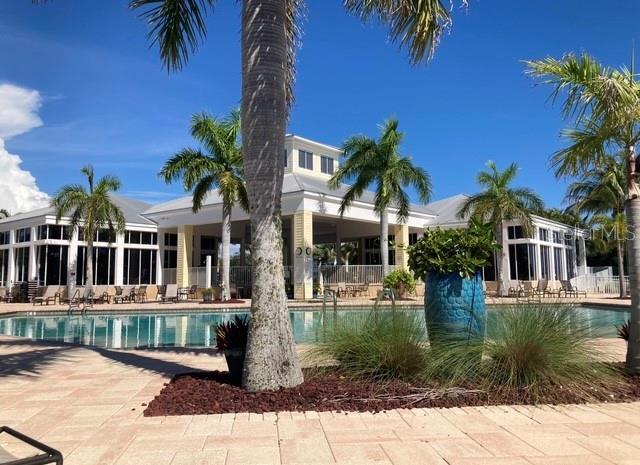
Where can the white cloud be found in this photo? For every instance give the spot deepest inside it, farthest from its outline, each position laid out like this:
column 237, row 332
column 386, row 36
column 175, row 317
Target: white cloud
column 18, row 110
column 18, row 114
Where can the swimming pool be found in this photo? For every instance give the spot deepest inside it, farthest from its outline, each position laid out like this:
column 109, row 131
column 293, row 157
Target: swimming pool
column 195, row 329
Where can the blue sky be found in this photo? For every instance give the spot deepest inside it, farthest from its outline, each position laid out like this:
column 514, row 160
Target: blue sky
column 105, row 99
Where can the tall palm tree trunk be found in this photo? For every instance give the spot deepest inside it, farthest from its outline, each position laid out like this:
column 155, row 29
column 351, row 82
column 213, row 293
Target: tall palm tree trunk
column 271, row 360
column 620, row 252
column 88, row 281
column 384, row 242
column 226, row 243
column 633, row 246
column 502, row 264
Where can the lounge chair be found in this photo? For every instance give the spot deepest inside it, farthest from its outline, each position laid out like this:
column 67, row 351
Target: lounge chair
column 121, row 296
column 140, row 294
column 541, row 288
column 46, row 455
column 46, row 294
column 171, row 294
column 5, row 295
column 162, row 289
column 99, row 294
column 569, row 290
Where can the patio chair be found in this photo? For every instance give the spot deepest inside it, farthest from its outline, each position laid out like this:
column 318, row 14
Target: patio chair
column 5, row 295
column 120, row 297
column 46, row 294
column 162, row 289
column 44, row 455
column 192, row 292
column 541, row 288
column 171, row 294
column 140, row 295
column 101, row 294
column 569, row 290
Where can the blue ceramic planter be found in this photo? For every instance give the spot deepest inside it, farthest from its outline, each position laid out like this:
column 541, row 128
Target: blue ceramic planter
column 454, row 306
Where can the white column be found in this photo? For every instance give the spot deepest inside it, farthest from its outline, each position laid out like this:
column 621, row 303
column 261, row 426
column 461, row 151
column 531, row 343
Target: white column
column 119, row 278
column 72, row 263
column 160, row 259
column 337, row 246
column 303, row 255
column 582, row 256
column 207, row 272
column 538, row 261
column 117, row 334
column 11, row 267
column 32, row 273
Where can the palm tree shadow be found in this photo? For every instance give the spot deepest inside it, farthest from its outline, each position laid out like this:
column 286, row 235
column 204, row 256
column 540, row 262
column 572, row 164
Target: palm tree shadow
column 30, row 362
column 155, row 365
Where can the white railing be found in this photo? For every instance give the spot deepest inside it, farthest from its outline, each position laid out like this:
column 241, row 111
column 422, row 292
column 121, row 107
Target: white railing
column 242, row 275
column 334, row 274
column 595, row 284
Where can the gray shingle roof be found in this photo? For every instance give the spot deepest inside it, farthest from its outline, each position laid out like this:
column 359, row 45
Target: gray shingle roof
column 292, row 182
column 131, row 209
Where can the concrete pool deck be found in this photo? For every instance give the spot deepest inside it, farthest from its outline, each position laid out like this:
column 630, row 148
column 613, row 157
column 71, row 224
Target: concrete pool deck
column 596, row 300
column 88, row 403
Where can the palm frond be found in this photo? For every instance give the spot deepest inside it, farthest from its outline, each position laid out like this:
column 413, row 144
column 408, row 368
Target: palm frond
column 177, row 27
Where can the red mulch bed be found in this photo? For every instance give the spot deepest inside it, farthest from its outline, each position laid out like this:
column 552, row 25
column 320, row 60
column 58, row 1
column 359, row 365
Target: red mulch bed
column 213, row 392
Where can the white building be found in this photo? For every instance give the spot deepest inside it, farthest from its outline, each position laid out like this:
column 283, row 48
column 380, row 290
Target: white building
column 169, row 243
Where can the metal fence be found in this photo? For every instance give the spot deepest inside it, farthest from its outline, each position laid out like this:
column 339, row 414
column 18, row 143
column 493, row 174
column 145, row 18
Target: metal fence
column 594, row 284
column 334, row 274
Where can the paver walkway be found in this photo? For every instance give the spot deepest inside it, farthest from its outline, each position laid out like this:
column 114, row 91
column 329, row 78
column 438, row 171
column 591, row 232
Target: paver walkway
column 89, row 403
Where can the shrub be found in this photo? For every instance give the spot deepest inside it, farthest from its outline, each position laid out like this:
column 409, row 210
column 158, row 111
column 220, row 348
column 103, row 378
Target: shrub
column 401, row 280
column 542, row 348
column 623, row 330
column 445, row 251
column 382, row 347
column 232, row 334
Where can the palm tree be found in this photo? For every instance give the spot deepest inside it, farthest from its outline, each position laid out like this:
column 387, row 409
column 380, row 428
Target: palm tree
column 604, row 106
column 605, row 229
column 91, row 210
column 367, row 161
column 499, row 202
column 4, row 213
column 601, row 192
column 221, row 168
column 270, row 31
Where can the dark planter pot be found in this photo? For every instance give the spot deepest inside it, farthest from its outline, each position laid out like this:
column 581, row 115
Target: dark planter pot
column 235, row 363
column 454, row 307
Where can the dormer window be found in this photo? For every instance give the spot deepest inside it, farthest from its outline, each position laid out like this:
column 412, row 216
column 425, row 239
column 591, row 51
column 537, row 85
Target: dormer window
column 305, row 159
column 326, row 164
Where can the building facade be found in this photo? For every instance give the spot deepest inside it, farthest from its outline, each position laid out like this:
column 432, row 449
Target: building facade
column 168, row 243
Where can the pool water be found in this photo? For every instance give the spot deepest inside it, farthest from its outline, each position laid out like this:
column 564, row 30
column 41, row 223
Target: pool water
column 196, row 329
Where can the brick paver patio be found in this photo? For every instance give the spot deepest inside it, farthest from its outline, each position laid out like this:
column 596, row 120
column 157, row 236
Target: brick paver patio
column 89, row 402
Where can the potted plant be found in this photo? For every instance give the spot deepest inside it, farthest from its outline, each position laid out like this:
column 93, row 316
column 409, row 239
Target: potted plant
column 207, row 295
column 316, row 289
column 450, row 262
column 231, row 340
column 401, row 281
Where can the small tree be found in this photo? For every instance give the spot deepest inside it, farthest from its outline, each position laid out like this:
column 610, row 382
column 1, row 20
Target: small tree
column 378, row 162
column 497, row 203
column 91, row 210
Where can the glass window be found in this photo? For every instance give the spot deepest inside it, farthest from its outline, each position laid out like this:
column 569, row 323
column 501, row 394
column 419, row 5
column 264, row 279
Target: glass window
column 139, row 266
column 285, row 158
column 4, row 268
column 42, row 232
column 133, row 237
column 489, row 271
column 571, row 263
column 305, row 159
column 326, row 164
column 515, row 232
column 545, row 261
column 413, row 238
column 522, row 262
column 372, row 251
column 170, row 259
column 558, row 265
column 106, row 235
column 170, row 239
column 21, row 262
column 104, row 265
column 543, row 234
column 557, row 237
column 23, row 235
column 4, row 237
column 52, row 264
